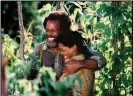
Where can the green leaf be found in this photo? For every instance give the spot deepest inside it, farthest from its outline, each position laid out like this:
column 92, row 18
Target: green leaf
column 102, row 7
column 66, row 9
column 107, row 32
column 82, row 3
column 106, row 70
column 100, row 26
column 75, row 4
column 62, row 89
column 78, row 15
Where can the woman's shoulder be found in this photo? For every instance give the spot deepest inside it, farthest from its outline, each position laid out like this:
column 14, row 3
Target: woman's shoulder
column 79, row 57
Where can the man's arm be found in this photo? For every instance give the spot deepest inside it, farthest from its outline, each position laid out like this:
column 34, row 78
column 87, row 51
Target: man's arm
column 96, row 62
column 89, row 64
column 101, row 60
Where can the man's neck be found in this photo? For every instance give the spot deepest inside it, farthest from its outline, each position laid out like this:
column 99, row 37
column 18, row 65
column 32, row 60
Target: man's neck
column 54, row 49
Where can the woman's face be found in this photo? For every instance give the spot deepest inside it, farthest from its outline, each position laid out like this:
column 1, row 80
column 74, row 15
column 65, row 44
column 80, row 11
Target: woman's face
column 66, row 51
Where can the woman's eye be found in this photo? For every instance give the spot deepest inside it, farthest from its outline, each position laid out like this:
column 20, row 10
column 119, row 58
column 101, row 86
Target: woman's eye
column 62, row 50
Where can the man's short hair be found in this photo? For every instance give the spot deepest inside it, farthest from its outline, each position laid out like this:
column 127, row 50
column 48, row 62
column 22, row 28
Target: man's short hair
column 65, row 22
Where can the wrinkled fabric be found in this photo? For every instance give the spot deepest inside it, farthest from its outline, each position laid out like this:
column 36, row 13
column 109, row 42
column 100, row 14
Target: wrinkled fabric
column 100, row 59
column 87, row 77
column 56, row 61
column 49, row 58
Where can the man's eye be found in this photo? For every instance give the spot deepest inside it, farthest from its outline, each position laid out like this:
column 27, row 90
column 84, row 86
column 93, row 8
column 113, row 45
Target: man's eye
column 51, row 30
column 47, row 30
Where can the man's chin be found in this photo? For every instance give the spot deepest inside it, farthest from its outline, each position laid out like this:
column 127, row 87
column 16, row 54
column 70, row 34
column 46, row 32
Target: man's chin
column 51, row 44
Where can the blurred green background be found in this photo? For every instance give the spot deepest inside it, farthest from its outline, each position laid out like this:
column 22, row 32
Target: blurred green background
column 107, row 25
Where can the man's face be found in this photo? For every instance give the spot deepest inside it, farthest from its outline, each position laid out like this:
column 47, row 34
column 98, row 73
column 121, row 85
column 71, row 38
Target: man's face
column 52, row 31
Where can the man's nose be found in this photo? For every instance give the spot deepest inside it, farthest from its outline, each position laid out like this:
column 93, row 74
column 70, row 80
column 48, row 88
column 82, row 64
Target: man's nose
column 50, row 34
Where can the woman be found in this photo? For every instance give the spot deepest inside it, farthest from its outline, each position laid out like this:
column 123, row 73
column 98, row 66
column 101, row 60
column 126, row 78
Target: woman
column 72, row 47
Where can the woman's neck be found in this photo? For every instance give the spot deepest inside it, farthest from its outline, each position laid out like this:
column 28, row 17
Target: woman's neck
column 76, row 53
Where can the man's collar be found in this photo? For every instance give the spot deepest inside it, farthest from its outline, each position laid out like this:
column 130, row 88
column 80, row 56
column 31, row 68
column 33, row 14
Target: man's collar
column 45, row 47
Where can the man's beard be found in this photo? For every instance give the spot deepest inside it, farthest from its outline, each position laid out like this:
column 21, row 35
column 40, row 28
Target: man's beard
column 51, row 43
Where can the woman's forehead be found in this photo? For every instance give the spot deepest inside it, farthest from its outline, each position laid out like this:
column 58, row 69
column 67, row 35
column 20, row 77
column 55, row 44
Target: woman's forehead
column 60, row 45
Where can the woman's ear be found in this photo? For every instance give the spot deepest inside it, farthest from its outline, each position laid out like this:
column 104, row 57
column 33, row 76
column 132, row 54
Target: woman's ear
column 74, row 50
column 74, row 47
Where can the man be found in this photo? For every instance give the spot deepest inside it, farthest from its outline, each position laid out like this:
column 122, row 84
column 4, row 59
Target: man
column 55, row 24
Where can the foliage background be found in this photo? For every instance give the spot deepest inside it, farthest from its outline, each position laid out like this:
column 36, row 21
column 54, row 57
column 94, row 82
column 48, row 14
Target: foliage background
column 108, row 25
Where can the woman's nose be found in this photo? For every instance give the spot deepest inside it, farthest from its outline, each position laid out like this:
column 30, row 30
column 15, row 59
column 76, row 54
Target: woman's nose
column 62, row 53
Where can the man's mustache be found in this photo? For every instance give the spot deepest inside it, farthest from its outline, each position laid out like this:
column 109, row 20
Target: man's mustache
column 51, row 37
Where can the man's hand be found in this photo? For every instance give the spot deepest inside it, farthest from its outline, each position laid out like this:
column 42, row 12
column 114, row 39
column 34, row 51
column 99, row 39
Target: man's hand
column 72, row 66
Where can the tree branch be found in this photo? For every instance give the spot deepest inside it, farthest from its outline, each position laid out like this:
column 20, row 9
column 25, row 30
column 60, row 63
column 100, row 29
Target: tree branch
column 21, row 30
